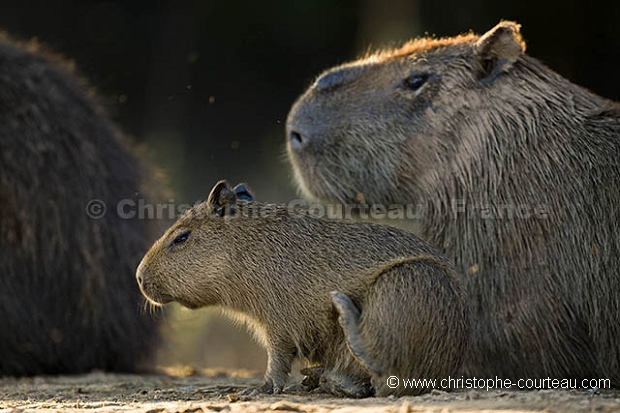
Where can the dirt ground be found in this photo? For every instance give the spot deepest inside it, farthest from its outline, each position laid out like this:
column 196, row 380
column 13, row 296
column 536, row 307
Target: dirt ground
column 213, row 391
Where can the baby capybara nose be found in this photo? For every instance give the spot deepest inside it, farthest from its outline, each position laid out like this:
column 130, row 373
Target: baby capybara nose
column 140, row 275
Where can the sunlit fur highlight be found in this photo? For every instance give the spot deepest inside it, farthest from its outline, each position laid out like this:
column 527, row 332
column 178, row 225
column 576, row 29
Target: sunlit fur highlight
column 273, row 268
column 491, row 126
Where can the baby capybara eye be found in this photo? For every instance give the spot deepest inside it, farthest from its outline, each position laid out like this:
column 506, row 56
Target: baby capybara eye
column 180, row 239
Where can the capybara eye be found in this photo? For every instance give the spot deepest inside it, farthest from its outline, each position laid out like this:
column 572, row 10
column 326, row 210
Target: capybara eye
column 415, row 82
column 181, row 238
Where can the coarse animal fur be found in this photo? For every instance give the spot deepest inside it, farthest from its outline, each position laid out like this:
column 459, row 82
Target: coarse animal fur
column 513, row 171
column 356, row 299
column 68, row 299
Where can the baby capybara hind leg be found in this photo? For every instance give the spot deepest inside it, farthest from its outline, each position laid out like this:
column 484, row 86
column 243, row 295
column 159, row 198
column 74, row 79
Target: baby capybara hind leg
column 414, row 325
column 345, row 384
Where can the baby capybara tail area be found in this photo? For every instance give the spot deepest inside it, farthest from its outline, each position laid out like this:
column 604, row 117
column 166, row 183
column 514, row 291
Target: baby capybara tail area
column 415, row 325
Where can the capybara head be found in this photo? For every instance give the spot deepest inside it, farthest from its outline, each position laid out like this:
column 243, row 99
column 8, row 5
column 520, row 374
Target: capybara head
column 376, row 129
column 189, row 261
column 475, row 120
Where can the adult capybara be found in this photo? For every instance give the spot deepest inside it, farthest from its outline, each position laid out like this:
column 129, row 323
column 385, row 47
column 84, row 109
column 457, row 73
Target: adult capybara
column 359, row 300
column 68, row 299
column 513, row 172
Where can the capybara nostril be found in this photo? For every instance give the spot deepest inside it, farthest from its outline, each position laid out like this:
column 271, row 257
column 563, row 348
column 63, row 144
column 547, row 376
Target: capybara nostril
column 297, row 141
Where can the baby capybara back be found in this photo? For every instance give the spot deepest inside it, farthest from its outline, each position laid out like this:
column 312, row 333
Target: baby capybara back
column 68, row 300
column 356, row 303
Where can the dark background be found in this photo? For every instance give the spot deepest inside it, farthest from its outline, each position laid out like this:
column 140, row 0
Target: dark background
column 206, row 85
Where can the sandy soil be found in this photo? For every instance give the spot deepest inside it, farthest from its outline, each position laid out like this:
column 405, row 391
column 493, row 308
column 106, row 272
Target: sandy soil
column 216, row 392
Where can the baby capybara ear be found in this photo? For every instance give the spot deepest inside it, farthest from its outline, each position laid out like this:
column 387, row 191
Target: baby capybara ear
column 499, row 48
column 222, row 200
column 242, row 192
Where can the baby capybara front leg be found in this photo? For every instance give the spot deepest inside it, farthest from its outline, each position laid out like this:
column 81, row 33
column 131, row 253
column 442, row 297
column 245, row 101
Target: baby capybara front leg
column 280, row 356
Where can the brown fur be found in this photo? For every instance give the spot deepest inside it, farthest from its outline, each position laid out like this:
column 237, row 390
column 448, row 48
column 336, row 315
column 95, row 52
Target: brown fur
column 488, row 128
column 68, row 300
column 275, row 267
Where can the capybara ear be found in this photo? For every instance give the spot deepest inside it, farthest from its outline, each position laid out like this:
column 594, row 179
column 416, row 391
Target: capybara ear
column 242, row 192
column 499, row 48
column 222, row 200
